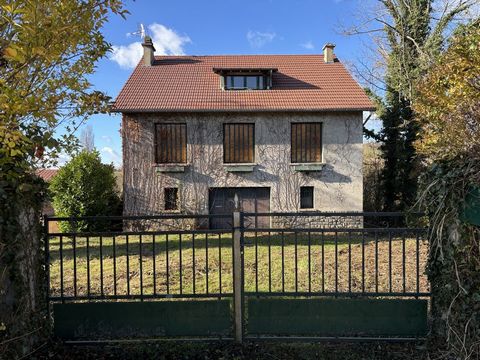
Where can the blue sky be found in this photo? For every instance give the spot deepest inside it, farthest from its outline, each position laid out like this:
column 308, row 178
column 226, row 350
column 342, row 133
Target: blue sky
column 201, row 27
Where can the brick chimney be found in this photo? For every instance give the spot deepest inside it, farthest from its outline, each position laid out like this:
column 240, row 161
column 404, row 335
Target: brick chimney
column 328, row 52
column 148, row 51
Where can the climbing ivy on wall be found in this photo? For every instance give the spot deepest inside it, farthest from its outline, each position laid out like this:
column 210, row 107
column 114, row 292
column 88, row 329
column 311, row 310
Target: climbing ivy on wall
column 22, row 275
column 454, row 258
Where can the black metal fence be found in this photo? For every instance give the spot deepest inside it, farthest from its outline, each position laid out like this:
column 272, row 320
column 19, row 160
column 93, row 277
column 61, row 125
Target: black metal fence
column 336, row 254
column 147, row 257
column 178, row 256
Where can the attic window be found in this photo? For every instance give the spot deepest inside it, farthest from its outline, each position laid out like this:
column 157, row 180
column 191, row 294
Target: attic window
column 245, row 79
column 241, row 82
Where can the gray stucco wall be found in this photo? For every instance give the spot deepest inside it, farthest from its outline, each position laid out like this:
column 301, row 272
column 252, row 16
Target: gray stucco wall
column 338, row 187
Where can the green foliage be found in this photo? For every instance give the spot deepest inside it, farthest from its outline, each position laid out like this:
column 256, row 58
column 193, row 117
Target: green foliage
column 454, row 257
column 84, row 187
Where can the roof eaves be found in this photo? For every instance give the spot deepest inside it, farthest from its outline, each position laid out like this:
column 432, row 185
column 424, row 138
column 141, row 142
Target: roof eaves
column 242, row 110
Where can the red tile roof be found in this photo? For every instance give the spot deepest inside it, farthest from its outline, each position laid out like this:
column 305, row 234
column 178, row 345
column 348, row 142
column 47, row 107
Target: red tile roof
column 188, row 83
column 46, row 174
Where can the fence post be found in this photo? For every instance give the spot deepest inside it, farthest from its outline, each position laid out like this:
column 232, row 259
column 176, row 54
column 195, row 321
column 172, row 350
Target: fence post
column 47, row 262
column 237, row 274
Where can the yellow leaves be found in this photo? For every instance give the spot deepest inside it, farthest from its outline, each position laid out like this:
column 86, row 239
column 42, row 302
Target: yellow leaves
column 10, row 52
column 14, row 53
column 13, row 142
column 448, row 100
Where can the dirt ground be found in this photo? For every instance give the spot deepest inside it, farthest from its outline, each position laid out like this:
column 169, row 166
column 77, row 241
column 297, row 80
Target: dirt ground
column 224, row 351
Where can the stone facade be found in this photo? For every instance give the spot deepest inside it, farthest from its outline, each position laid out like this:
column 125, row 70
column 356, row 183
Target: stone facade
column 337, row 187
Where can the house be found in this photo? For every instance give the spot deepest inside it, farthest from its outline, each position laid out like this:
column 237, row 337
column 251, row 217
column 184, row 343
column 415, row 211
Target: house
column 282, row 132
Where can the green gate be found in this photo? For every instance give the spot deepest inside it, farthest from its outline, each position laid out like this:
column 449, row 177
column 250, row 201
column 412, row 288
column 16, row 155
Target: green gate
column 170, row 276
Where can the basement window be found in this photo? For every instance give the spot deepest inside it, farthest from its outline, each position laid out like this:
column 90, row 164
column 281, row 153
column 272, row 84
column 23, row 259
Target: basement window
column 306, row 197
column 171, row 198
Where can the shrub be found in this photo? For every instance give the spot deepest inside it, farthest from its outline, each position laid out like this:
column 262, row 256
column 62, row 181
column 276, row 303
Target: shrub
column 85, row 187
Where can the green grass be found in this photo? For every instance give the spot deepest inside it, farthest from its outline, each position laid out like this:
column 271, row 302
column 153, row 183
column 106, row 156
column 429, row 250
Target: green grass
column 309, row 275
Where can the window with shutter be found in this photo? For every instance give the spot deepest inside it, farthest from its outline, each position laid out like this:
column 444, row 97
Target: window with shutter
column 306, row 143
column 170, row 143
column 239, row 143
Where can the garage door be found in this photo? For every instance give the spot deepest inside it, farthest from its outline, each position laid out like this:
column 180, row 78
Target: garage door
column 251, row 200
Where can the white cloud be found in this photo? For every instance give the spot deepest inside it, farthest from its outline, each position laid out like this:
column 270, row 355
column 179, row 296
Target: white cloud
column 308, row 45
column 63, row 158
column 258, row 39
column 107, row 139
column 165, row 40
column 111, row 155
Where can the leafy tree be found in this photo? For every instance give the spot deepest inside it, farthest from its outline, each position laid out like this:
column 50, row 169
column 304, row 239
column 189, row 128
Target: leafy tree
column 48, row 48
column 448, row 99
column 84, row 187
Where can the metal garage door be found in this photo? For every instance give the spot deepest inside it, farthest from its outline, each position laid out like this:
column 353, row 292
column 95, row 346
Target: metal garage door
column 251, row 200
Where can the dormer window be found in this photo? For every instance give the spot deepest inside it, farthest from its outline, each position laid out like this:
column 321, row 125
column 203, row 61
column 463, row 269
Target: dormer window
column 248, row 82
column 245, row 78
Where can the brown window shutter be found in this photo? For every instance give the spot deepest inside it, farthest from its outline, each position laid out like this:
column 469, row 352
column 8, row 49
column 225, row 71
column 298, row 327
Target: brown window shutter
column 171, row 143
column 306, row 142
column 238, row 143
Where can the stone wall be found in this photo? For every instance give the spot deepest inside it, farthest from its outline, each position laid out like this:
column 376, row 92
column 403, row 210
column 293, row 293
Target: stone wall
column 338, row 187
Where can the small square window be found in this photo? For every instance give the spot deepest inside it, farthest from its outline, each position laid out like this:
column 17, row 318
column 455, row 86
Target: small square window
column 306, row 197
column 171, row 198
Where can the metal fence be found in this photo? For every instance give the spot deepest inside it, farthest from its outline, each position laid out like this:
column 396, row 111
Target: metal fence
column 144, row 257
column 276, row 280
column 172, row 256
column 364, row 254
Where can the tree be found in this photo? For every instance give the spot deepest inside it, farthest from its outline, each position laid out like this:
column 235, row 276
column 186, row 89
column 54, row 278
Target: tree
column 372, row 169
column 87, row 138
column 448, row 99
column 48, row 48
column 84, row 187
column 412, row 35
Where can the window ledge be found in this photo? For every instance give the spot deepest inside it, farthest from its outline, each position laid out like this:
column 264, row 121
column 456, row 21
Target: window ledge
column 173, row 212
column 307, row 167
column 170, row 168
column 240, row 167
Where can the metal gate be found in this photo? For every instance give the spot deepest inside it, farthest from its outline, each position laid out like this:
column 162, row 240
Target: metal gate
column 334, row 275
column 116, row 277
column 307, row 275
